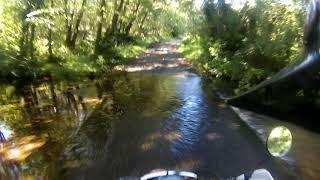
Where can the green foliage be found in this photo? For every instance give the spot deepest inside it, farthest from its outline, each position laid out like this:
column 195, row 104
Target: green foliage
column 132, row 50
column 66, row 39
column 191, row 48
column 249, row 44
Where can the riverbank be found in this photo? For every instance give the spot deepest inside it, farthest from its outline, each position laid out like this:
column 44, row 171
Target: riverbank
column 302, row 157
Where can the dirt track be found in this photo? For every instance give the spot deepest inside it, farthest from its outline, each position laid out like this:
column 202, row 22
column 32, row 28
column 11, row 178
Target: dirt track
column 160, row 57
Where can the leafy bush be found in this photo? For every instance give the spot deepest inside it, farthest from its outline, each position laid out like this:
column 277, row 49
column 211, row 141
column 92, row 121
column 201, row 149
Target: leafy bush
column 247, row 45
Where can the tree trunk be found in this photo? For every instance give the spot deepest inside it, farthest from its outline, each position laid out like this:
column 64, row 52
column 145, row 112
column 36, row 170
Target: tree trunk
column 115, row 19
column 28, row 35
column 68, row 23
column 25, row 33
column 77, row 25
column 24, row 39
column 31, row 44
column 72, row 30
column 101, row 19
column 134, row 17
column 143, row 21
column 50, row 51
column 50, row 33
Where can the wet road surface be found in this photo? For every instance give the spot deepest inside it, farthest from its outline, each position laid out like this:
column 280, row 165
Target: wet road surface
column 174, row 121
column 158, row 114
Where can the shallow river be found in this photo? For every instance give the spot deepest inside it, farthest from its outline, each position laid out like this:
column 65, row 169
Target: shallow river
column 123, row 125
column 130, row 123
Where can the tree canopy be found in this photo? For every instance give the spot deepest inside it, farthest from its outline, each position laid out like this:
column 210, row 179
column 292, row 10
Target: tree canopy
column 243, row 42
column 38, row 36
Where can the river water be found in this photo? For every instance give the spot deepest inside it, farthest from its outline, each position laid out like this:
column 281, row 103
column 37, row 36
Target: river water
column 125, row 125
column 162, row 115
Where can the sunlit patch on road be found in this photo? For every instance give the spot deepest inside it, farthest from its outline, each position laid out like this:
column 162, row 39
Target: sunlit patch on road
column 163, row 56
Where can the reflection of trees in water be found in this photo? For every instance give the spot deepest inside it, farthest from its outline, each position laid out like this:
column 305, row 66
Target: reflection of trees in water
column 76, row 124
column 50, row 111
column 99, row 89
column 94, row 142
column 45, row 102
column 71, row 101
column 91, row 142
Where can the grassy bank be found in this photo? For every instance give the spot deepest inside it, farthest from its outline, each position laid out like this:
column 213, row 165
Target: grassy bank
column 71, row 65
column 193, row 52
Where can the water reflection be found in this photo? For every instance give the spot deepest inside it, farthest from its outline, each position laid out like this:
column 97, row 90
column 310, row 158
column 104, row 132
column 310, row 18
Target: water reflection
column 37, row 120
column 126, row 124
column 20, row 149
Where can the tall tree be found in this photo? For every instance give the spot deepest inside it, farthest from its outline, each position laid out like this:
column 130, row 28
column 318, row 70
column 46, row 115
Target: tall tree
column 101, row 20
column 115, row 19
column 73, row 21
column 28, row 29
column 133, row 17
column 50, row 40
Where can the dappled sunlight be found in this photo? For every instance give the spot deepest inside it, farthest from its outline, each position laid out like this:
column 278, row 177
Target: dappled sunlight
column 146, row 146
column 213, row 136
column 172, row 136
column 164, row 50
column 151, row 67
column 92, row 101
column 163, row 56
column 72, row 115
column 20, row 149
column 150, row 141
column 55, row 112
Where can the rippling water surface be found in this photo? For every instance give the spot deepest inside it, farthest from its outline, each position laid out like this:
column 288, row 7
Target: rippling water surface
column 125, row 124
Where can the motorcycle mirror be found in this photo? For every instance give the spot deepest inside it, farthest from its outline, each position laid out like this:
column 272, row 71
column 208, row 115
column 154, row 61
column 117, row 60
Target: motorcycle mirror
column 279, row 141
